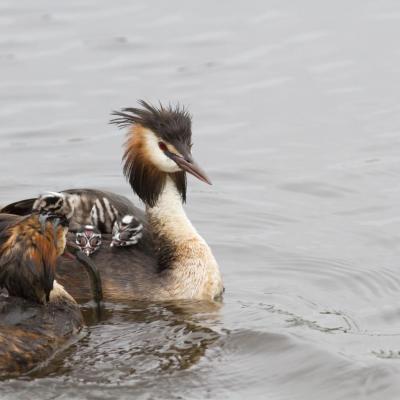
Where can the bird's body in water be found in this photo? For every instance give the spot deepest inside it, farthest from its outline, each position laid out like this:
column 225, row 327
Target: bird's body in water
column 37, row 315
column 171, row 260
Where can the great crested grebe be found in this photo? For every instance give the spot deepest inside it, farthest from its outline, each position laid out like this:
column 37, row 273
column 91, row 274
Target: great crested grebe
column 38, row 315
column 171, row 260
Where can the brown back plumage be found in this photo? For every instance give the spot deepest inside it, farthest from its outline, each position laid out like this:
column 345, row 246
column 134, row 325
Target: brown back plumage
column 30, row 333
column 29, row 249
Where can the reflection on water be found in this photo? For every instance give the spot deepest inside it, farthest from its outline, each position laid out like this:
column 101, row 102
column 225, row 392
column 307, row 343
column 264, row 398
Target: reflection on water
column 140, row 338
column 296, row 120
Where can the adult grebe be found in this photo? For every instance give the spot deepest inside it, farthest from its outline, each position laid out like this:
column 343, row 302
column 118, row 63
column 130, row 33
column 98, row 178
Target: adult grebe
column 171, row 260
column 38, row 315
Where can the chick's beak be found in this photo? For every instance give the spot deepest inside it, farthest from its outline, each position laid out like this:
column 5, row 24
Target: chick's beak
column 186, row 163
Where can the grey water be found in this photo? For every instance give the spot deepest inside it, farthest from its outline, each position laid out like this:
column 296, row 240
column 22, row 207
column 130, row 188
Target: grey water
column 296, row 119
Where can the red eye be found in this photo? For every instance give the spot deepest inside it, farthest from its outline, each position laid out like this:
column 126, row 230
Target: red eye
column 162, row 146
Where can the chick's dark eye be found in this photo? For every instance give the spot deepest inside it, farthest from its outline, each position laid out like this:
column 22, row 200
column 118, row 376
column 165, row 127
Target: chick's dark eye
column 81, row 240
column 95, row 242
column 162, row 146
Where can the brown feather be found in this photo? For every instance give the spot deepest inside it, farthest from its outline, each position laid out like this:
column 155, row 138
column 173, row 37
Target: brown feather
column 30, row 333
column 28, row 258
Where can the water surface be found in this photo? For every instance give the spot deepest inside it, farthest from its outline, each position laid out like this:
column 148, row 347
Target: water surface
column 297, row 121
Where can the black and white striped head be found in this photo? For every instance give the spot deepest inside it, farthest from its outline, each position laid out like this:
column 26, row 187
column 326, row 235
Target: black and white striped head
column 103, row 215
column 126, row 232
column 54, row 203
column 88, row 239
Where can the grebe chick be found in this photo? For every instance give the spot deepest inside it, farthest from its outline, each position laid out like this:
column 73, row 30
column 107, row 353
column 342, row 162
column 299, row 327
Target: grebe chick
column 126, row 232
column 54, row 203
column 88, row 239
column 81, row 206
column 171, row 261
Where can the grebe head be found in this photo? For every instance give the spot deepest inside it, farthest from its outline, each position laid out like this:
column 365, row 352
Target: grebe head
column 126, row 232
column 159, row 145
column 88, row 239
column 54, row 203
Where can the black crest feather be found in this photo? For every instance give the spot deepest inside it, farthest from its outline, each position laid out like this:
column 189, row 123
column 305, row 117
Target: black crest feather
column 171, row 123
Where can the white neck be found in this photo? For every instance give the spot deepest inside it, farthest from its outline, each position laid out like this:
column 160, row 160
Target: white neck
column 169, row 218
column 193, row 272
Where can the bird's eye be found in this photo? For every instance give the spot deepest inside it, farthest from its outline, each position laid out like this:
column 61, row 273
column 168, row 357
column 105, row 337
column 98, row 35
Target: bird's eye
column 95, row 242
column 81, row 240
column 162, row 146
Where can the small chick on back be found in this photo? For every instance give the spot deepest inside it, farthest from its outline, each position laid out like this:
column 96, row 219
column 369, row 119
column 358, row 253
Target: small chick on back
column 126, row 232
column 88, row 239
column 54, row 203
